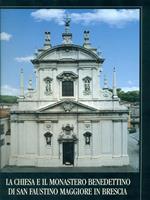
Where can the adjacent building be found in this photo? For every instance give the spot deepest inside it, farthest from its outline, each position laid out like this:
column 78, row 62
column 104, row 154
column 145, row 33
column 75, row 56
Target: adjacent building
column 4, row 136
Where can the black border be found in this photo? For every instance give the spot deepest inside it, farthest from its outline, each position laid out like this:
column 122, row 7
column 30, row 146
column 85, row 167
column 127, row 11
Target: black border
column 60, row 3
column 145, row 70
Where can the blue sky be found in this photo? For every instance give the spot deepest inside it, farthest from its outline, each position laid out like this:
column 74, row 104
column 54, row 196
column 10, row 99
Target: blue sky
column 113, row 32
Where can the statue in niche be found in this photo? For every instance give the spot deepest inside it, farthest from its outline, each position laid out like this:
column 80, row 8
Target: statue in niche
column 48, row 86
column 87, row 88
column 87, row 85
column 48, row 89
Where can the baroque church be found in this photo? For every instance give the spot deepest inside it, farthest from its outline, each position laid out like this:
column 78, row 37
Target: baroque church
column 68, row 119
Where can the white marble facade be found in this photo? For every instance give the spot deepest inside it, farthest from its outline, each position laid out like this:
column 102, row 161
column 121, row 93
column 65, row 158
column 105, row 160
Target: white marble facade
column 68, row 119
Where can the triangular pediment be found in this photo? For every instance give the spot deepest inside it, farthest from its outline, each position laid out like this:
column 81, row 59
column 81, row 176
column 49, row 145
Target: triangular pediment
column 67, row 106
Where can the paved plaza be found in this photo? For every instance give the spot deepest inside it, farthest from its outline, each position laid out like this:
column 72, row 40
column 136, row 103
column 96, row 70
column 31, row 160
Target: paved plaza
column 133, row 150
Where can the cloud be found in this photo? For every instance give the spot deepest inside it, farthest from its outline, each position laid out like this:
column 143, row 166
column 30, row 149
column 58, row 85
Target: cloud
column 56, row 15
column 130, row 82
column 126, row 89
column 5, row 36
column 8, row 90
column 113, row 17
column 24, row 59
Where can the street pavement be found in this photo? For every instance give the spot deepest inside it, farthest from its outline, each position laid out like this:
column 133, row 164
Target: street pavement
column 133, row 151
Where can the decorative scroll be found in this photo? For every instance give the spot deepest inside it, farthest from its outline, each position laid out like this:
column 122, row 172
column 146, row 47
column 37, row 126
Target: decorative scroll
column 67, row 106
column 67, row 134
column 67, row 76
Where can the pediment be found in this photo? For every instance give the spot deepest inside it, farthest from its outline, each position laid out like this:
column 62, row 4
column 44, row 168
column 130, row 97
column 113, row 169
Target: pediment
column 85, row 56
column 68, row 52
column 67, row 106
column 69, row 56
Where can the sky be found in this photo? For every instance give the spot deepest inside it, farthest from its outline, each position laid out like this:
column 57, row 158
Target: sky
column 114, row 32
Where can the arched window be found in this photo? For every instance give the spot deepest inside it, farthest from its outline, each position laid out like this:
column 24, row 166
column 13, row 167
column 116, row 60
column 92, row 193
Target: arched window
column 67, row 88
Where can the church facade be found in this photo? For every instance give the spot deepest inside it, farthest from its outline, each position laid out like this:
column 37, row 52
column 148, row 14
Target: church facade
column 67, row 119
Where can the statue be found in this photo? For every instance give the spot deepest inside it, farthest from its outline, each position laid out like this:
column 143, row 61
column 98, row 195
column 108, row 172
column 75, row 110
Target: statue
column 48, row 89
column 86, row 36
column 48, row 86
column 67, row 21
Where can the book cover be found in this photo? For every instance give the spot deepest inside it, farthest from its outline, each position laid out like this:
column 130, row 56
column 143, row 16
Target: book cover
column 73, row 83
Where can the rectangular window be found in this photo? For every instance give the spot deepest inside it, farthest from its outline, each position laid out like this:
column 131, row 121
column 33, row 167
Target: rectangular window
column 67, row 88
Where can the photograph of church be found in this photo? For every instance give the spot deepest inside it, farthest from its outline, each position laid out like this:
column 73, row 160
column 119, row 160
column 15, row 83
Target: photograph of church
column 68, row 119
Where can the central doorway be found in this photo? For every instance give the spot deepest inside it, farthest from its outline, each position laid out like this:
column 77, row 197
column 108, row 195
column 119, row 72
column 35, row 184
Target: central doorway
column 68, row 153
